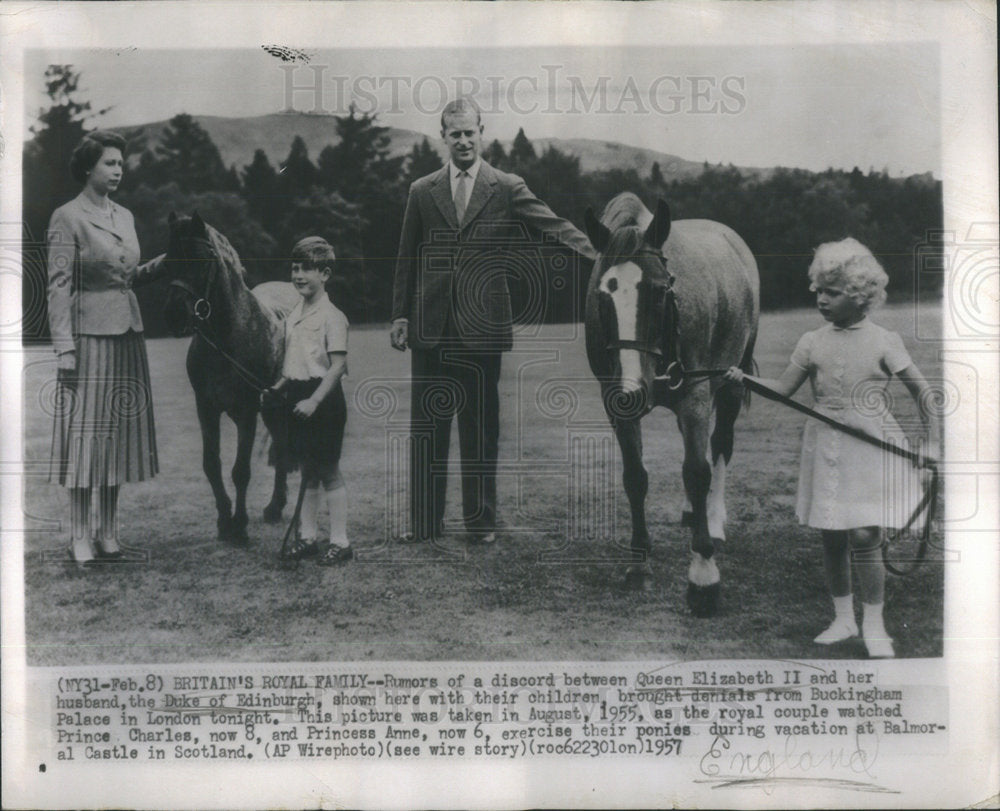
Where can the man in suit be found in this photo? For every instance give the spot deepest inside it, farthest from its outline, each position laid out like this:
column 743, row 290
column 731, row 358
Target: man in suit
column 452, row 308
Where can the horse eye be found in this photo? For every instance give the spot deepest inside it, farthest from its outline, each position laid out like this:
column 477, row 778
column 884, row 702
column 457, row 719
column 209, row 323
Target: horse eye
column 612, row 285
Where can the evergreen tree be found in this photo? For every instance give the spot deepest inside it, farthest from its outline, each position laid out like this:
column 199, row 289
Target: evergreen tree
column 495, row 155
column 260, row 190
column 298, row 174
column 522, row 153
column 422, row 160
column 187, row 156
column 360, row 154
column 656, row 175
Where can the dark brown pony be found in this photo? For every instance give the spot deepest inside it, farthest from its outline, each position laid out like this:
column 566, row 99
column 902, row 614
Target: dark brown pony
column 662, row 293
column 236, row 352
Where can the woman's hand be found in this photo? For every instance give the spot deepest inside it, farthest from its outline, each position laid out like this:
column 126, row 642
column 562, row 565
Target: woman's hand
column 399, row 335
column 304, row 409
column 735, row 374
column 66, row 369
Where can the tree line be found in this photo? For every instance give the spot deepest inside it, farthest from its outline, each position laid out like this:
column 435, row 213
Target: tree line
column 353, row 194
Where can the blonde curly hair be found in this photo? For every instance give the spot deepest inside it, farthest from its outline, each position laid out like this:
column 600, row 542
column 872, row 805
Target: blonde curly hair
column 850, row 266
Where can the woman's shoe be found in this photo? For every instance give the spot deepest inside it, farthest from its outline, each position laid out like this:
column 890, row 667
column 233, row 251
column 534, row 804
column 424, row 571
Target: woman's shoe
column 82, row 565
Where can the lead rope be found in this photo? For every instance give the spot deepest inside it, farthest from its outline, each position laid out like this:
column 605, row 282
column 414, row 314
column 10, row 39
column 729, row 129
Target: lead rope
column 676, row 375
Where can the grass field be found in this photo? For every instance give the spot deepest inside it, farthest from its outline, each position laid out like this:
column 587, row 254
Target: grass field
column 551, row 589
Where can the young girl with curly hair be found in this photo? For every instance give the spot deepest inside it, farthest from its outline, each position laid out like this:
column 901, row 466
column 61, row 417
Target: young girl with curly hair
column 849, row 489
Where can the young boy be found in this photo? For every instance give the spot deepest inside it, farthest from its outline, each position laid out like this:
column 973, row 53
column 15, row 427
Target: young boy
column 315, row 361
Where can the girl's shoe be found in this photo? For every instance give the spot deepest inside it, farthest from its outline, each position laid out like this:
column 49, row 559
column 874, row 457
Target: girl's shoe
column 839, row 630
column 880, row 647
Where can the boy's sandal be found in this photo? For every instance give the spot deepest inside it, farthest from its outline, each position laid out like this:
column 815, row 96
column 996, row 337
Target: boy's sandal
column 301, row 548
column 335, row 555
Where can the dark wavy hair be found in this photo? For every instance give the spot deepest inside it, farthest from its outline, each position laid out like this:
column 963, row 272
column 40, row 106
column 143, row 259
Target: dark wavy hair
column 88, row 152
column 315, row 253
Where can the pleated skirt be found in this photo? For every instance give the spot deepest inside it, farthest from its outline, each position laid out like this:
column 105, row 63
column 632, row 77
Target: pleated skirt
column 103, row 430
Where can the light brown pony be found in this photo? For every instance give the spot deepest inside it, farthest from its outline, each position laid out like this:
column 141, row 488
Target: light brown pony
column 660, row 293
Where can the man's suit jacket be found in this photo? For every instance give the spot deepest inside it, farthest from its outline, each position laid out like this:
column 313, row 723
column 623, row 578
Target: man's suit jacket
column 93, row 263
column 445, row 266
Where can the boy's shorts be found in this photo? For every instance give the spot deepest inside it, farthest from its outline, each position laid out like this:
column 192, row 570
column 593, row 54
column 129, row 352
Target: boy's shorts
column 317, row 441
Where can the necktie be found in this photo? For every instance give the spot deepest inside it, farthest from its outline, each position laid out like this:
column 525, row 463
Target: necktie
column 461, row 195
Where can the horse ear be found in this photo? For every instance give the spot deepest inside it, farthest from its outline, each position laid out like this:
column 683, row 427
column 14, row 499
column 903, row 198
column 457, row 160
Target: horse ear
column 659, row 228
column 198, row 223
column 597, row 231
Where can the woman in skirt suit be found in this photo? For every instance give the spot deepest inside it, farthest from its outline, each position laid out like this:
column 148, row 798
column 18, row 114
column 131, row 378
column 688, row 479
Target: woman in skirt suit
column 103, row 431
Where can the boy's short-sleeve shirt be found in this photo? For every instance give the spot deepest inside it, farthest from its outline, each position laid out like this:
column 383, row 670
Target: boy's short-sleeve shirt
column 310, row 335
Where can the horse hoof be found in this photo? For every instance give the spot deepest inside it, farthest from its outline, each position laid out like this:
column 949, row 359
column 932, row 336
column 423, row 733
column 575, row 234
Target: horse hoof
column 703, row 600
column 272, row 514
column 638, row 578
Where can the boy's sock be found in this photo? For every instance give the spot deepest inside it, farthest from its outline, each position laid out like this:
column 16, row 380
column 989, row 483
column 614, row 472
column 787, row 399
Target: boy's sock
column 308, row 529
column 843, row 625
column 337, row 500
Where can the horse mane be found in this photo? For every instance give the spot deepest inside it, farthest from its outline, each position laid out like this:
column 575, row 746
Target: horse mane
column 626, row 209
column 627, row 219
column 225, row 251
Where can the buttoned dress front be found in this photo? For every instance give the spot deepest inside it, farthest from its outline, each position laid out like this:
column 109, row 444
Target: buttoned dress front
column 104, row 432
column 311, row 333
column 845, row 483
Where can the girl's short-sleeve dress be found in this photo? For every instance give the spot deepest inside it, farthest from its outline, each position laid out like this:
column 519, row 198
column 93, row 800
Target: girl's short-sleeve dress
column 845, row 483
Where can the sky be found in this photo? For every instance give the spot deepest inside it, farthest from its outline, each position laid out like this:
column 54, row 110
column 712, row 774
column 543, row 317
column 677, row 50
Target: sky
column 814, row 106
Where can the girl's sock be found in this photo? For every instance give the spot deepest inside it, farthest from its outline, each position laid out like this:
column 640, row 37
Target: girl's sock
column 843, row 608
column 337, row 501
column 843, row 625
column 876, row 637
column 308, row 529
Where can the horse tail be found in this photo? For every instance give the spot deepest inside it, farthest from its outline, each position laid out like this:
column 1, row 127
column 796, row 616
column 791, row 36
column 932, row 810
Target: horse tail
column 749, row 366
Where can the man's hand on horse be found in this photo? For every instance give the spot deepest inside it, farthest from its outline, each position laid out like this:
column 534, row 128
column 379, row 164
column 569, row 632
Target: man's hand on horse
column 304, row 408
column 399, row 334
column 735, row 374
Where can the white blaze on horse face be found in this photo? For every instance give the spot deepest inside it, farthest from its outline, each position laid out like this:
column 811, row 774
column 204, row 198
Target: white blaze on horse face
column 621, row 282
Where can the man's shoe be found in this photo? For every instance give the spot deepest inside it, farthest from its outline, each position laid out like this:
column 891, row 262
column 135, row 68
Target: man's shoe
column 483, row 538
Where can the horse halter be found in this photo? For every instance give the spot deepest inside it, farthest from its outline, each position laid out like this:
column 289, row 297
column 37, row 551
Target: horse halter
column 656, row 307
column 202, row 307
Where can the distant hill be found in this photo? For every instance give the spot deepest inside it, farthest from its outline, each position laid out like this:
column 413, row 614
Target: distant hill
column 237, row 138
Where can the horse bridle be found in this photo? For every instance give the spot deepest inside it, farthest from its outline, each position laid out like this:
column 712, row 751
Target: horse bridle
column 666, row 292
column 202, row 307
